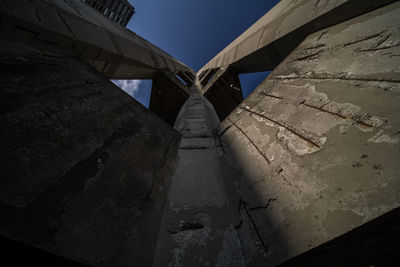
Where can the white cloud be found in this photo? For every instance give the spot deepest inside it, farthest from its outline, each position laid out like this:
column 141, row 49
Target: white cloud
column 129, row 86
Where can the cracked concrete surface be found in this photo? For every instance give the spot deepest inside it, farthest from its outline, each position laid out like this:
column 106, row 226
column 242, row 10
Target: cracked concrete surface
column 319, row 136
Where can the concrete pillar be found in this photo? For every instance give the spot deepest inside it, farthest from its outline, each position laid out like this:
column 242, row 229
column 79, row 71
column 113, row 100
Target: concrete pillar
column 198, row 227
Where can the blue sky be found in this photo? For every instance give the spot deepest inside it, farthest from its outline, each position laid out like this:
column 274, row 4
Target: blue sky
column 193, row 31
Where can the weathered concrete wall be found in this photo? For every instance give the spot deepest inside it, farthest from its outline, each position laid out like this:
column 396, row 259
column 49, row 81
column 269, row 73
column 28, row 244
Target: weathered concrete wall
column 84, row 167
column 266, row 43
column 316, row 146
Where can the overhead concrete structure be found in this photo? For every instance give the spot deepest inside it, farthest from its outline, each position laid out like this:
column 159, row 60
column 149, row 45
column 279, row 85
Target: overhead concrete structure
column 303, row 172
column 112, row 50
column 119, row 11
column 266, row 43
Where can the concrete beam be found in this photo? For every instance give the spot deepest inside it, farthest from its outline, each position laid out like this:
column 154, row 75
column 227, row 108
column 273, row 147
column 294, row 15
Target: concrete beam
column 110, row 48
column 266, row 43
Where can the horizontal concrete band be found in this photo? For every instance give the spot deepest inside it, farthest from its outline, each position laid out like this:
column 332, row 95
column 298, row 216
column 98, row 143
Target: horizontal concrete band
column 267, row 42
column 113, row 50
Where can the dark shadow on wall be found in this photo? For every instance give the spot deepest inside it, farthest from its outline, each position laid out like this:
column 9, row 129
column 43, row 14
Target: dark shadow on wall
column 84, row 167
column 252, row 213
column 16, row 253
column 168, row 94
column 223, row 91
column 374, row 243
column 226, row 89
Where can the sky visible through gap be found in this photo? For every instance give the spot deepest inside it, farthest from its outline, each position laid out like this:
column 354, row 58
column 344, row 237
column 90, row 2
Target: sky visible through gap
column 193, row 32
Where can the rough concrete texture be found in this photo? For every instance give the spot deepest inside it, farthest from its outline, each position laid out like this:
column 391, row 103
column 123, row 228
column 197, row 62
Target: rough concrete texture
column 311, row 154
column 84, row 167
column 198, row 227
column 110, row 48
column 268, row 41
column 315, row 146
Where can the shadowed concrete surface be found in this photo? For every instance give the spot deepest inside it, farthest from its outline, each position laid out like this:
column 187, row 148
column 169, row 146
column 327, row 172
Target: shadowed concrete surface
column 168, row 95
column 225, row 94
column 306, row 166
column 316, row 144
column 84, row 166
column 374, row 243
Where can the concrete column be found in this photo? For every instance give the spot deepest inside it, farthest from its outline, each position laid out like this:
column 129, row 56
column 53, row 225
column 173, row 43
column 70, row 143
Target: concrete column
column 198, row 226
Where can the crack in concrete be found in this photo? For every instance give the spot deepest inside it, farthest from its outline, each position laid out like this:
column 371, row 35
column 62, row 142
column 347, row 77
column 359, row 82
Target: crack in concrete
column 266, row 94
column 224, row 130
column 355, row 118
column 251, row 141
column 293, row 131
column 187, row 226
column 309, row 57
column 378, row 48
column 322, row 34
column 396, row 133
column 253, row 223
column 364, row 39
column 325, row 76
column 323, row 110
column 239, row 224
column 65, row 23
column 35, row 11
column 381, row 41
column 266, row 206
